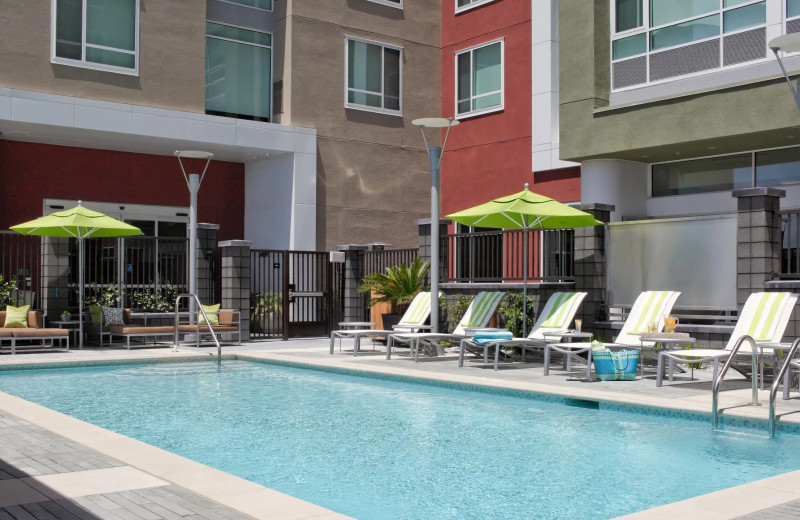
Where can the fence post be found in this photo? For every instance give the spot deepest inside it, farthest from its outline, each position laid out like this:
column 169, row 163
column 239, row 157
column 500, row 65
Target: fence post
column 590, row 263
column 354, row 309
column 758, row 239
column 236, row 280
column 424, row 225
column 206, row 247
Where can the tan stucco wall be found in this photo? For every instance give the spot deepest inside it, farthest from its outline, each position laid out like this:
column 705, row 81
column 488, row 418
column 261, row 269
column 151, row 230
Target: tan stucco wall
column 373, row 175
column 725, row 120
column 171, row 57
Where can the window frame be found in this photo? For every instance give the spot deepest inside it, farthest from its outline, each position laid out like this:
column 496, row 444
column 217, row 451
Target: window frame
column 271, row 48
column 233, row 2
column 388, row 3
column 366, row 108
column 647, row 30
column 82, row 63
column 472, row 5
column 488, row 110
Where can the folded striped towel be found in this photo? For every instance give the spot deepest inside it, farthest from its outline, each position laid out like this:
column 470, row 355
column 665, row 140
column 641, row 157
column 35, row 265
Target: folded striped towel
column 487, row 337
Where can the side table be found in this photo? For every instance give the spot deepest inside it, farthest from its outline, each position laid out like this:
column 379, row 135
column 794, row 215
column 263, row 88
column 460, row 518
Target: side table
column 73, row 326
column 568, row 349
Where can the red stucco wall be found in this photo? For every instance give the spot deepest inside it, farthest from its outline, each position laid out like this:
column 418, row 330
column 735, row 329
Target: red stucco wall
column 31, row 172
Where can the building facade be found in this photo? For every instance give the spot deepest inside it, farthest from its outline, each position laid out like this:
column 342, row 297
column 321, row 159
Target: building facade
column 95, row 99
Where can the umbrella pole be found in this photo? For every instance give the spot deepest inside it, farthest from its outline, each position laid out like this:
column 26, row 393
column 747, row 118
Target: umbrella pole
column 80, row 293
column 525, row 285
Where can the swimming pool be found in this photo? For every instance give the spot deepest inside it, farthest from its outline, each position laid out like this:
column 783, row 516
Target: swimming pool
column 377, row 449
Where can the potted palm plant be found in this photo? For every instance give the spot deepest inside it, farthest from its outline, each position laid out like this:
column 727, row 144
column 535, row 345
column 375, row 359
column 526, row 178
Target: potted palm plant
column 397, row 286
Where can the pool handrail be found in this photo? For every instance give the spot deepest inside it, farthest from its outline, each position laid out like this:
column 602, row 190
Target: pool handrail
column 205, row 317
column 718, row 381
column 776, row 383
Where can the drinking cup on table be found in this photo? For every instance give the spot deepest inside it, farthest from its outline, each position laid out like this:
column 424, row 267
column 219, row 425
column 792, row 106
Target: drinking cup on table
column 578, row 324
column 670, row 323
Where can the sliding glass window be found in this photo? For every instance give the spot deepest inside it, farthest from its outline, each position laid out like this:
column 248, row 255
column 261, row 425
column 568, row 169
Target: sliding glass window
column 238, row 72
column 702, row 175
column 778, row 167
column 96, row 34
column 265, row 5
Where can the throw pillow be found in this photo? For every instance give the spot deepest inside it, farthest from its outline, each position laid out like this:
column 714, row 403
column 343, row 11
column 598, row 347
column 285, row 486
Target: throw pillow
column 113, row 316
column 17, row 317
column 212, row 311
column 96, row 314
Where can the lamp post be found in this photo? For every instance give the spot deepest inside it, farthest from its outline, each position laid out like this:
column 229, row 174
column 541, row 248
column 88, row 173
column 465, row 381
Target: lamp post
column 435, row 157
column 193, row 182
column 787, row 43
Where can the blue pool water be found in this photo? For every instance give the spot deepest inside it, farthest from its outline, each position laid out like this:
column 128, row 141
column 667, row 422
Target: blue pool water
column 375, row 449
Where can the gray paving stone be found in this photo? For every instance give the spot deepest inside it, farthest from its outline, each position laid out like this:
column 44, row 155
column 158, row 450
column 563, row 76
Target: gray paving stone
column 19, row 513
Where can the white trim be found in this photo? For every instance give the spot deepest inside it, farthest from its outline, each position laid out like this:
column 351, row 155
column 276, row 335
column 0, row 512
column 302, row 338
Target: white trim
column 488, row 110
column 390, row 3
column 233, row 2
column 472, row 5
column 82, row 63
column 382, row 93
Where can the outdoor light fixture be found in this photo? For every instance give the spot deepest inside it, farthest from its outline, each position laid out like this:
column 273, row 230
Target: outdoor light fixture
column 435, row 154
column 193, row 182
column 787, row 43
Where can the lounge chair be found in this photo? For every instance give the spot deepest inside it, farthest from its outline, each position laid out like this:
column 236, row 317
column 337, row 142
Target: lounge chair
column 556, row 315
column 764, row 317
column 477, row 316
column 648, row 311
column 412, row 320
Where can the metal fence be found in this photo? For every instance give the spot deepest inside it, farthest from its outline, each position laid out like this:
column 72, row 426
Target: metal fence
column 21, row 269
column 498, row 255
column 378, row 261
column 790, row 240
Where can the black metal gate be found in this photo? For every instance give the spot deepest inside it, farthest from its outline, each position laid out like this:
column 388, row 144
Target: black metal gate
column 292, row 293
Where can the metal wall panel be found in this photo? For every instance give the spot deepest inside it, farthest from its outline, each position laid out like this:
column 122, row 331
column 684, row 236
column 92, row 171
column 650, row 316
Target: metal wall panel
column 630, row 72
column 696, row 256
column 684, row 60
column 745, row 46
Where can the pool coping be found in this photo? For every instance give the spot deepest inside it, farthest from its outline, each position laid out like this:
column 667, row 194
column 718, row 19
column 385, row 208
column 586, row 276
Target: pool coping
column 261, row 502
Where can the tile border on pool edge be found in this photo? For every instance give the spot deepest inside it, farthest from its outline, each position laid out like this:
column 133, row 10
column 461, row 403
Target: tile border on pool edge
column 638, row 409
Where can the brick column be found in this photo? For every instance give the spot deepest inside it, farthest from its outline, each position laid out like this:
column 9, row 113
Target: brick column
column 758, row 237
column 236, row 280
column 55, row 277
column 424, row 254
column 206, row 247
column 354, row 308
column 590, row 264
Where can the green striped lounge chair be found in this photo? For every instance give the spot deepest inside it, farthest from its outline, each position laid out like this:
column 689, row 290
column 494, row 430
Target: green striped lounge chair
column 650, row 307
column 556, row 316
column 413, row 320
column 764, row 318
column 478, row 314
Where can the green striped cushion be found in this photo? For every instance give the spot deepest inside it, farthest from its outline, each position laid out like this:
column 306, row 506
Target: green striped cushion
column 480, row 311
column 767, row 312
column 560, row 310
column 419, row 309
column 650, row 312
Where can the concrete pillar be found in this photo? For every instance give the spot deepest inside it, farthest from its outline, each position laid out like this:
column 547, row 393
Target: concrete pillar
column 206, row 249
column 758, row 237
column 354, row 302
column 55, row 277
column 236, row 280
column 424, row 254
column 590, row 264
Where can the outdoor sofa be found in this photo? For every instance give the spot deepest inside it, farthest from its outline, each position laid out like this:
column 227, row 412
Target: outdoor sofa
column 230, row 323
column 34, row 336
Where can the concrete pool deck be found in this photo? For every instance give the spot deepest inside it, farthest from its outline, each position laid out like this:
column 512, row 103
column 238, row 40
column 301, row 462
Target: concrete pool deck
column 229, row 496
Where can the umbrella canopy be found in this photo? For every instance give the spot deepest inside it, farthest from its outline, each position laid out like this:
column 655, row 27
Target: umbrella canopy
column 524, row 210
column 79, row 223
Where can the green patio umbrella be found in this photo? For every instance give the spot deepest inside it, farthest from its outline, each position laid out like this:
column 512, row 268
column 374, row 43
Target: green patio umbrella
column 78, row 223
column 524, row 210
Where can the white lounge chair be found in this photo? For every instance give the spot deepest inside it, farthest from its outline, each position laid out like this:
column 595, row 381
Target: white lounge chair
column 556, row 316
column 478, row 314
column 648, row 311
column 413, row 320
column 764, row 317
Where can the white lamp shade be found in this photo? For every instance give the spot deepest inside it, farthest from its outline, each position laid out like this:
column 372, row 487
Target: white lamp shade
column 435, row 122
column 786, row 43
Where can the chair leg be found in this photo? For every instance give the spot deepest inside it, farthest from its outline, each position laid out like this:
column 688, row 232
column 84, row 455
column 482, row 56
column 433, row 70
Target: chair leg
column 787, row 378
column 333, row 340
column 496, row 354
column 461, row 348
column 547, row 360
column 389, row 344
column 589, row 363
column 660, row 369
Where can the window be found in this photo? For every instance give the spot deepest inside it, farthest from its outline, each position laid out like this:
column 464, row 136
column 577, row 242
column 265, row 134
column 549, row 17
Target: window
column 373, row 76
column 479, row 79
column 792, row 8
column 466, row 5
column 393, row 3
column 702, row 175
column 96, row 34
column 655, row 40
column 238, row 72
column 258, row 4
column 778, row 167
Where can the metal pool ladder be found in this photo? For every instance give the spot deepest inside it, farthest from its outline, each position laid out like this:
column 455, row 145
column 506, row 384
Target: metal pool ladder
column 777, row 383
column 718, row 381
column 208, row 323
